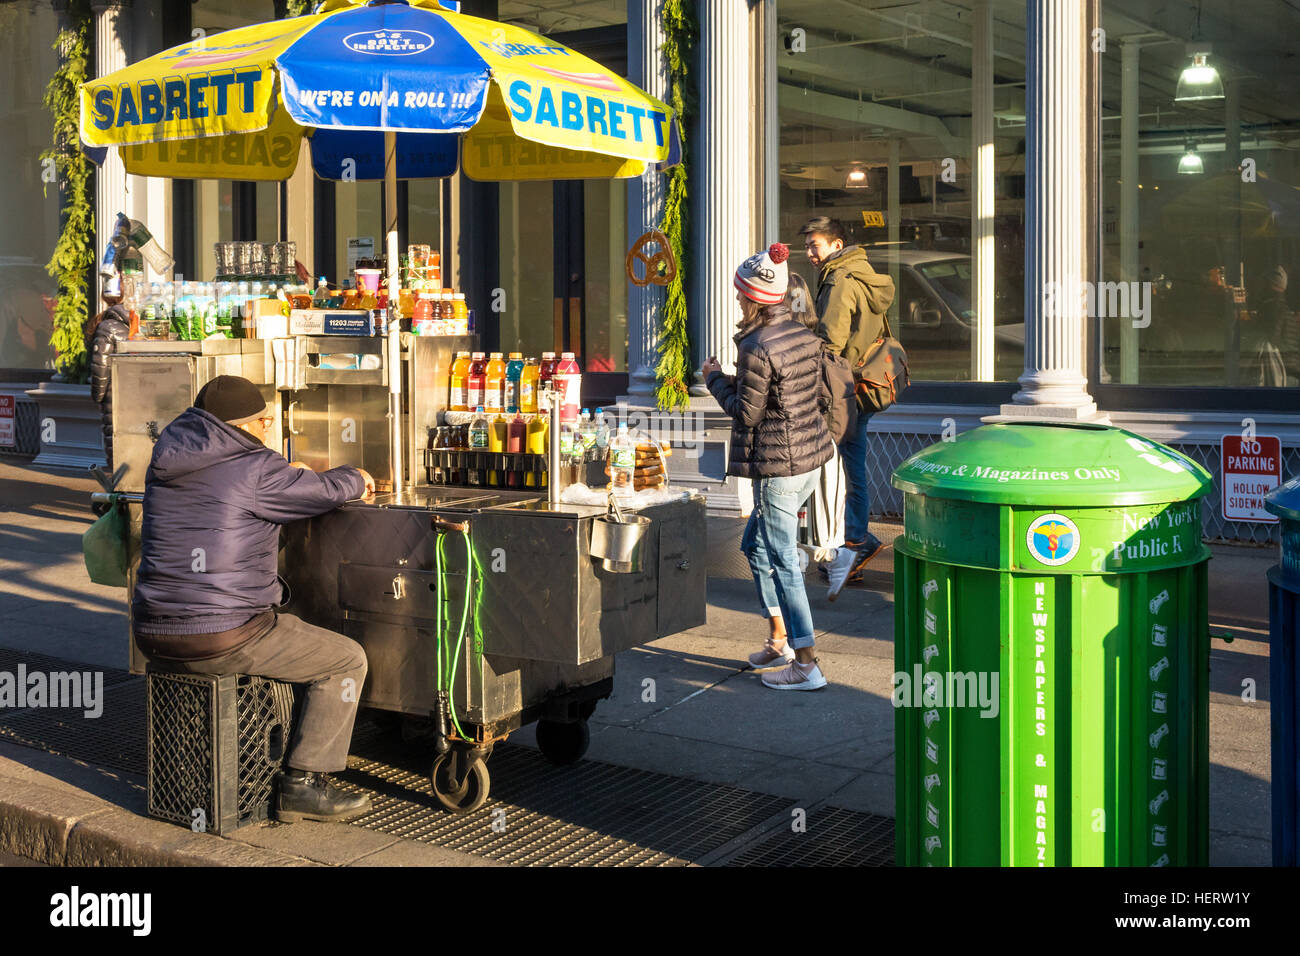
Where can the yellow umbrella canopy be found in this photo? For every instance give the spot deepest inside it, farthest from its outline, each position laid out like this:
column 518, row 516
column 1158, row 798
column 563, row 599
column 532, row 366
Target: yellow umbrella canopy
column 452, row 90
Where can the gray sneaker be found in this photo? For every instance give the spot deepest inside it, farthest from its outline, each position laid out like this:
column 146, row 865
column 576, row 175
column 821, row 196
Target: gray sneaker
column 837, row 571
column 796, row 677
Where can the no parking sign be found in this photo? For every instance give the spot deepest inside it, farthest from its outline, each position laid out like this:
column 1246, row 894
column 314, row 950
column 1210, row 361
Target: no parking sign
column 7, row 420
column 1252, row 467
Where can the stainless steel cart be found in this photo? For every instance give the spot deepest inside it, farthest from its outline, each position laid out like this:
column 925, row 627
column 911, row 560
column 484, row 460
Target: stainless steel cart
column 542, row 619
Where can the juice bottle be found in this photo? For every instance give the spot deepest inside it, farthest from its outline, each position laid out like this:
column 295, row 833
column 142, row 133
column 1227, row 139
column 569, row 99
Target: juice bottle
column 528, row 385
column 448, row 308
column 459, row 308
column 514, row 369
column 546, row 370
column 423, row 316
column 568, row 384
column 459, row 401
column 495, row 383
column 477, row 377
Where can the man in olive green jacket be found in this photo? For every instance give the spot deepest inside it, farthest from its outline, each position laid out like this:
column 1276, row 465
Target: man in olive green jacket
column 851, row 302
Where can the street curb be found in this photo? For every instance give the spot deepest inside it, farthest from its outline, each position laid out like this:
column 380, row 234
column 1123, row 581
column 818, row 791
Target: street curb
column 52, row 826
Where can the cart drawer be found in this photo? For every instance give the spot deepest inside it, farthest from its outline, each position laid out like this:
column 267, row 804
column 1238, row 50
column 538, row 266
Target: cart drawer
column 400, row 592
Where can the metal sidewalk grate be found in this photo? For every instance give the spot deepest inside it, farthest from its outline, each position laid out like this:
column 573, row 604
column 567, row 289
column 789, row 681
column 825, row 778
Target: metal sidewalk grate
column 113, row 739
column 590, row 814
column 834, row 837
column 32, row 661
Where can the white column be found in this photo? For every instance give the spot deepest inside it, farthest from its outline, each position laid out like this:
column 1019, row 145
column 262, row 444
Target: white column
column 892, row 215
column 111, row 33
column 771, row 129
column 721, row 178
column 645, row 197
column 1053, row 384
column 1128, row 201
column 982, row 190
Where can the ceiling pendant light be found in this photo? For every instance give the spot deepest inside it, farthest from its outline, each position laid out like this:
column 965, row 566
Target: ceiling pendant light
column 1191, row 164
column 1200, row 81
column 856, row 179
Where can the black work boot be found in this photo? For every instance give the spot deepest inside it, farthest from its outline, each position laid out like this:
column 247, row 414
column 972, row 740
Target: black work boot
column 313, row 796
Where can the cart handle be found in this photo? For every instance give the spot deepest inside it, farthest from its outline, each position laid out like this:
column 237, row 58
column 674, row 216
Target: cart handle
column 443, row 524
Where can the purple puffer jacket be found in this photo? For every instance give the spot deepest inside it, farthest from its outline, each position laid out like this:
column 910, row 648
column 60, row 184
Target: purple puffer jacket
column 214, row 501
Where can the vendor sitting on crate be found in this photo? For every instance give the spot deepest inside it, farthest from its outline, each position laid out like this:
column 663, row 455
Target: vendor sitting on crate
column 205, row 595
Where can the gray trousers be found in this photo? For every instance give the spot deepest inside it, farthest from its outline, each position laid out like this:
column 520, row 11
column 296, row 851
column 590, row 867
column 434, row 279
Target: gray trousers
column 333, row 667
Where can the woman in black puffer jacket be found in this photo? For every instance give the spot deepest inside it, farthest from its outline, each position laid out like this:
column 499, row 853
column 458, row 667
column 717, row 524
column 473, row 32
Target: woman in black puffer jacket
column 777, row 403
column 104, row 333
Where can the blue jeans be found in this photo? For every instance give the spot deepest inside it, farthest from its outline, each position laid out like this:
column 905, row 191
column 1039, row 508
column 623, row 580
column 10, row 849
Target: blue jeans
column 771, row 544
column 857, row 498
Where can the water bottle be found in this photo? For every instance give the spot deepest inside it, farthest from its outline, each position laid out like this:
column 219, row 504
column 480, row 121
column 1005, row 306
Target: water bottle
column 587, row 436
column 622, row 461
column 602, row 439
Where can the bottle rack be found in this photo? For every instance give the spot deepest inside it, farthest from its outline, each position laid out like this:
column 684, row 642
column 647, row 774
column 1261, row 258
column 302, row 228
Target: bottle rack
column 484, row 469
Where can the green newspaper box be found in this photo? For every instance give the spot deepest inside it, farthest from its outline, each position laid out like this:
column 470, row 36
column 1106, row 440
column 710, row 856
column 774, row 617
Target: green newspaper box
column 1051, row 651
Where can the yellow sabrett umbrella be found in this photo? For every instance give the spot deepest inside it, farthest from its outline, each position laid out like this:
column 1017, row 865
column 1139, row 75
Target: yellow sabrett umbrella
column 391, row 89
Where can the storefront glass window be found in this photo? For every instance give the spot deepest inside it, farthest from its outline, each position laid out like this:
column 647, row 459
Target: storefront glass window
column 876, row 125
column 531, row 317
column 31, row 205
column 1201, row 197
column 605, row 234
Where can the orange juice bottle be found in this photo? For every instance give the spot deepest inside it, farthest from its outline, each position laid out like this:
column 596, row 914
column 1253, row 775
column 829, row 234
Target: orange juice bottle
column 528, row 385
column 460, row 383
column 495, row 383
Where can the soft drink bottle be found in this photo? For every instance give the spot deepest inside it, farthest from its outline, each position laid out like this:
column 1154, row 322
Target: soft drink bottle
column 459, row 401
column 477, row 379
column 514, row 371
column 529, row 378
column 622, row 462
column 495, row 383
column 568, row 384
column 546, row 370
column 602, row 438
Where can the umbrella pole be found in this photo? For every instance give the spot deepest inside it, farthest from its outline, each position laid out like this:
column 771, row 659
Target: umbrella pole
column 394, row 299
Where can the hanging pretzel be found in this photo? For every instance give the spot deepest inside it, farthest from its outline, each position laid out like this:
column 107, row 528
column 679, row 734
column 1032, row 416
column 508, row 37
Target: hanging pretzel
column 660, row 268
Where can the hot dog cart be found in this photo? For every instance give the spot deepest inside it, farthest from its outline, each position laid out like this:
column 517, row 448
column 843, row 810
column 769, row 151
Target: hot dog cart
column 481, row 608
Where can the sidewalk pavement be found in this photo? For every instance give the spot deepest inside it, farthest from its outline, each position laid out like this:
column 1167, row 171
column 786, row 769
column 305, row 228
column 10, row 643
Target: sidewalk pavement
column 686, row 705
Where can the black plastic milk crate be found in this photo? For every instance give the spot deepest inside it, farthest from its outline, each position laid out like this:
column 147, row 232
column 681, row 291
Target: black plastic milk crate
column 215, row 746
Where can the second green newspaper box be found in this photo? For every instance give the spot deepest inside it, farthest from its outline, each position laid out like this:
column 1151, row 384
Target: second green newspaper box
column 1051, row 651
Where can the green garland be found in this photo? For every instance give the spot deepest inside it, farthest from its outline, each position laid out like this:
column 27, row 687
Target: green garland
column 74, row 253
column 673, row 373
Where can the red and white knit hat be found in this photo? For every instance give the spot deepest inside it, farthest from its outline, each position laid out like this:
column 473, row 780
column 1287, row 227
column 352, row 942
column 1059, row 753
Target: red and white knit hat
column 764, row 276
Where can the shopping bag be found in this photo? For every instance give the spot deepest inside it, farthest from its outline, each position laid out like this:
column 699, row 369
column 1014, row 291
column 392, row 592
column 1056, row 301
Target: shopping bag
column 104, row 547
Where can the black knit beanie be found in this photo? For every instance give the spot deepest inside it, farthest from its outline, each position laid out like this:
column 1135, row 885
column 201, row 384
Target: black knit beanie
column 234, row 400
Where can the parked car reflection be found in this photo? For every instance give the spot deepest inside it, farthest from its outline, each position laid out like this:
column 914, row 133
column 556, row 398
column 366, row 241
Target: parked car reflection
column 936, row 318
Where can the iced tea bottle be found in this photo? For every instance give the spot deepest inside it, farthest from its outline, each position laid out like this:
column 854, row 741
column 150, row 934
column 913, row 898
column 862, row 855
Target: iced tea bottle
column 528, row 385
column 477, row 379
column 460, row 383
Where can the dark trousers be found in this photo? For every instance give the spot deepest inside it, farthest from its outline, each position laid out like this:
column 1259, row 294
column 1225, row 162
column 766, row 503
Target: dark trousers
column 332, row 666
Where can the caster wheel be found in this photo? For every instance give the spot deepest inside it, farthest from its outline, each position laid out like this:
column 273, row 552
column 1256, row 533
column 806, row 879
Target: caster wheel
column 587, row 708
column 460, row 781
column 563, row 744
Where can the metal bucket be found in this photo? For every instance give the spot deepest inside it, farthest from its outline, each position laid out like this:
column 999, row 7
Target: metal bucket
column 618, row 545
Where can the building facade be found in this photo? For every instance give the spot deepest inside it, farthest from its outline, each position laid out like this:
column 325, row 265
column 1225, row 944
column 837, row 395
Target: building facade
column 1089, row 208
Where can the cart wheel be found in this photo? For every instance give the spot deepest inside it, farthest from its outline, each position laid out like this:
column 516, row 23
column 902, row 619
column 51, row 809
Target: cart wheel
column 460, row 788
column 587, row 708
column 563, row 743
